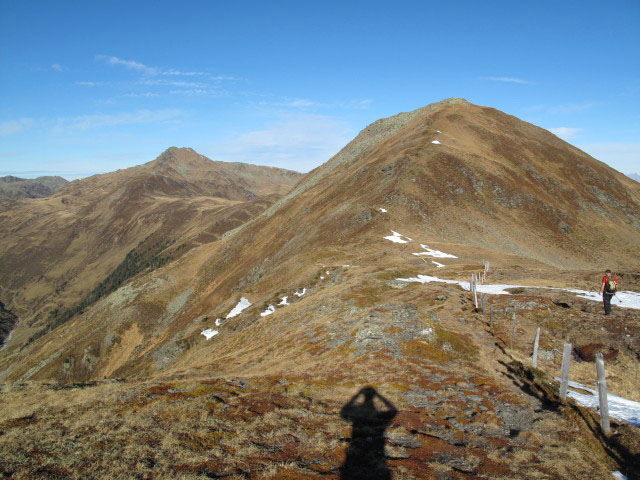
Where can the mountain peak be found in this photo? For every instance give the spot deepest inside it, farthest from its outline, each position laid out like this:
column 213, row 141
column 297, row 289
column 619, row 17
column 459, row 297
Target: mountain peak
column 179, row 158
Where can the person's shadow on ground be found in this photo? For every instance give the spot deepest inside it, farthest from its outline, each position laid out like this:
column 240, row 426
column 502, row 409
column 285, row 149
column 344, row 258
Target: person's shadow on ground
column 365, row 455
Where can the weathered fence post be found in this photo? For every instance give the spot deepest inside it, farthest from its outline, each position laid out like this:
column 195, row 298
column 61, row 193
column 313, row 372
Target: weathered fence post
column 602, row 394
column 473, row 289
column 564, row 371
column 491, row 316
column 513, row 330
column 534, row 357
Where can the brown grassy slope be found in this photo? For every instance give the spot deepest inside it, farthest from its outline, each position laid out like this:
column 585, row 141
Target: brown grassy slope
column 263, row 399
column 53, row 251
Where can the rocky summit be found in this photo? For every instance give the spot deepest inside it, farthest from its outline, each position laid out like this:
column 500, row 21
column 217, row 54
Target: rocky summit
column 196, row 319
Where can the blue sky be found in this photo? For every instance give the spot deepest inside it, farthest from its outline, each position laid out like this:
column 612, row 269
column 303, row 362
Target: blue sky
column 90, row 87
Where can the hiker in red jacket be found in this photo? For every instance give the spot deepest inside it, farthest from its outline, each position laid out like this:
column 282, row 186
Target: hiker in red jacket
column 608, row 290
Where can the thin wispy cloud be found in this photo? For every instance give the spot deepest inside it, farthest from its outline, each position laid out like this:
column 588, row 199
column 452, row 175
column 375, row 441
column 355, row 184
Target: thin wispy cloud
column 141, row 95
column 18, row 125
column 298, row 141
column 147, row 70
column 87, row 122
column 624, row 155
column 358, row 104
column 301, row 103
column 565, row 133
column 171, row 83
column 92, row 84
column 128, row 64
column 198, row 92
column 508, row 80
column 175, row 72
column 571, row 107
column 57, row 67
column 561, row 109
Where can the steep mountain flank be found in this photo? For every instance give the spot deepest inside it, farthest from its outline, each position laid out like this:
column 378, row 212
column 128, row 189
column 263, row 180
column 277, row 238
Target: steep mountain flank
column 12, row 188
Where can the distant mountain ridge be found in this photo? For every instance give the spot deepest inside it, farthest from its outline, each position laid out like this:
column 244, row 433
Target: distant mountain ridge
column 634, row 176
column 148, row 214
column 12, row 188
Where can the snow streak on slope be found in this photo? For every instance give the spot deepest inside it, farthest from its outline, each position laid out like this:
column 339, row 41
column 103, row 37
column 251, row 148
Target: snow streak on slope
column 619, row 408
column 209, row 333
column 625, row 299
column 433, row 253
column 270, row 309
column 397, row 238
column 237, row 310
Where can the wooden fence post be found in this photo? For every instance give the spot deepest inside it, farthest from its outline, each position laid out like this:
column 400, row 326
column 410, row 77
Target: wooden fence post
column 564, row 371
column 534, row 357
column 473, row 289
column 513, row 330
column 602, row 395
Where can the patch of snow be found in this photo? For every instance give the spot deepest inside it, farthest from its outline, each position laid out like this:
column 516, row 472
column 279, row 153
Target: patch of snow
column 218, row 322
column 284, row 301
column 436, row 142
column 438, row 131
column 439, row 265
column 346, row 266
column 619, row 408
column 327, row 272
column 383, row 210
column 626, row 299
column 433, row 253
column 237, row 310
column 209, row 332
column 299, row 294
column 618, row 475
column 321, row 277
column 397, row 238
column 270, row 309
